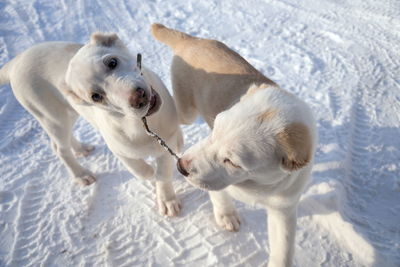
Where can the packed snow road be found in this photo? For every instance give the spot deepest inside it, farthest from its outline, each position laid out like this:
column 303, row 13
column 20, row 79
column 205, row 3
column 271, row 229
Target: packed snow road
column 341, row 57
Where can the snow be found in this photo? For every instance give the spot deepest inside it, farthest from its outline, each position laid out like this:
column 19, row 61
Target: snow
column 341, row 57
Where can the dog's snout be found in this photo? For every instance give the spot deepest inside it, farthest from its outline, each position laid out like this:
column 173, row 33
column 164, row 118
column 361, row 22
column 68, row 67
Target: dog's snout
column 138, row 98
column 182, row 166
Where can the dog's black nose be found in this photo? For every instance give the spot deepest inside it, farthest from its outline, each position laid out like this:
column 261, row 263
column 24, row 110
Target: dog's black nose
column 181, row 165
column 138, row 98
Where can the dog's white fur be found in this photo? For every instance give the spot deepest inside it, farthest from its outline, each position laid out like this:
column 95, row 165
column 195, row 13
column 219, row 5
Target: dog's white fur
column 54, row 82
column 261, row 148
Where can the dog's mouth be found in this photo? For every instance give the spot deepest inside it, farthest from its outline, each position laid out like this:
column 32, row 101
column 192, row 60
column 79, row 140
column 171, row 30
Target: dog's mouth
column 154, row 103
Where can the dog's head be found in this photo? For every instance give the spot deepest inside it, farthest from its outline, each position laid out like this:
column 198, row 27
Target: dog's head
column 105, row 74
column 262, row 138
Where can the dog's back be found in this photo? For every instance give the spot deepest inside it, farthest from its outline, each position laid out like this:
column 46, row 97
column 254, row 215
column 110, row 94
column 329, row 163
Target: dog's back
column 39, row 61
column 207, row 76
column 209, row 55
column 35, row 76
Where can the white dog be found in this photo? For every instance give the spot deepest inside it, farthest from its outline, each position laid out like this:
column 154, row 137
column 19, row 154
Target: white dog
column 261, row 148
column 100, row 81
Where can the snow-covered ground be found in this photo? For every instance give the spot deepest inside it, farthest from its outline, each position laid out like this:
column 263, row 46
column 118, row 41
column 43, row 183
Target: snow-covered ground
column 342, row 57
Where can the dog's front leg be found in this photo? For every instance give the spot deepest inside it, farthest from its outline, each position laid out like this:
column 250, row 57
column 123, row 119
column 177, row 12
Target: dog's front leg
column 167, row 202
column 138, row 167
column 281, row 234
column 224, row 210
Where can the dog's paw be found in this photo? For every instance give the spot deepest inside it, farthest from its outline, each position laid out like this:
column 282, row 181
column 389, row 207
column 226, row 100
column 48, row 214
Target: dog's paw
column 228, row 221
column 85, row 180
column 83, row 150
column 169, row 207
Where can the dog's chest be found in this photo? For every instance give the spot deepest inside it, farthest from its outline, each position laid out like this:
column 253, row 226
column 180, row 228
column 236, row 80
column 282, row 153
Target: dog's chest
column 254, row 193
column 123, row 135
column 130, row 141
column 250, row 196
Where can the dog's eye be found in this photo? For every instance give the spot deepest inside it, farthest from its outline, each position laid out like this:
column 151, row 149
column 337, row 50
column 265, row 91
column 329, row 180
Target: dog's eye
column 228, row 161
column 96, row 97
column 111, row 63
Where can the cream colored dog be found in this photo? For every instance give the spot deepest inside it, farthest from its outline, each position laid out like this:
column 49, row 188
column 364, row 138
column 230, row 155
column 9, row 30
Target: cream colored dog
column 100, row 81
column 262, row 144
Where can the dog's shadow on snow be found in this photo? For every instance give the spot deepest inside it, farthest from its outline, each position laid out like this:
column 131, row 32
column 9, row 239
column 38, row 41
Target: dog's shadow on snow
column 348, row 195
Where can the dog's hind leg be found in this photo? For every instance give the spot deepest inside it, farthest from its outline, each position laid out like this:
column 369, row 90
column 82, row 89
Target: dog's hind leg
column 60, row 136
column 55, row 116
column 57, row 121
column 187, row 112
column 61, row 139
column 79, row 149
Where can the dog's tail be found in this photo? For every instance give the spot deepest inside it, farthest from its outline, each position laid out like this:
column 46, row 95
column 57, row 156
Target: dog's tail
column 168, row 36
column 4, row 76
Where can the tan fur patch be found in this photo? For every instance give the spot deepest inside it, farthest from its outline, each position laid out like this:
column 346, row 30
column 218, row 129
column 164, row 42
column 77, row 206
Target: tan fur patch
column 295, row 142
column 206, row 75
column 267, row 115
column 253, row 89
column 168, row 36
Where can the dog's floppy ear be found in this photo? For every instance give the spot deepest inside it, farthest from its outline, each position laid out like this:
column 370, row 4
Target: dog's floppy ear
column 253, row 89
column 103, row 39
column 295, row 143
column 71, row 95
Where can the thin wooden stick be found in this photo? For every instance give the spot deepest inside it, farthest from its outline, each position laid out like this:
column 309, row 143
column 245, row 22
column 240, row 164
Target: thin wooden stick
column 160, row 141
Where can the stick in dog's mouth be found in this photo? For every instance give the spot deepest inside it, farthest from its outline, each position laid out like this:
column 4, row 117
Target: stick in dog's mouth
column 154, row 105
column 154, row 102
column 159, row 139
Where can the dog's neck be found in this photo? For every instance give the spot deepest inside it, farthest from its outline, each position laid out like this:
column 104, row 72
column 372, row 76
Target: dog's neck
column 262, row 189
column 235, row 97
column 254, row 186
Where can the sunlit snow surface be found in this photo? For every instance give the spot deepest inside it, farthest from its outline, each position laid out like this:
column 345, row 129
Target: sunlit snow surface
column 341, row 57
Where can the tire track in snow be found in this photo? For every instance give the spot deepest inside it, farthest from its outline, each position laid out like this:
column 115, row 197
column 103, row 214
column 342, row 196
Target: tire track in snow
column 126, row 246
column 65, row 244
column 362, row 162
column 334, row 101
column 10, row 112
column 357, row 162
column 33, row 225
column 362, row 84
column 126, row 243
column 93, row 219
column 29, row 226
